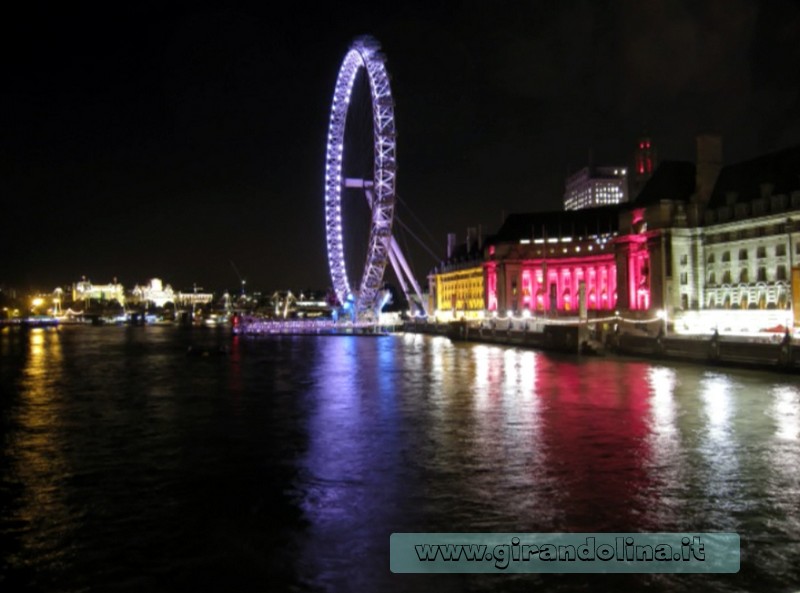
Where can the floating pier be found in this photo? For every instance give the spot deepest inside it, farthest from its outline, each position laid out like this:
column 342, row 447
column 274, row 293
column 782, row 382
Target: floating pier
column 327, row 327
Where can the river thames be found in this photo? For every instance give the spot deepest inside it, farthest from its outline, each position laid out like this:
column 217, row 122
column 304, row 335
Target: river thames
column 285, row 463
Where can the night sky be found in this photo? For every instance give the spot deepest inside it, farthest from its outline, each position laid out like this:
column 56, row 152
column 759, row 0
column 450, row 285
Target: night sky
column 170, row 142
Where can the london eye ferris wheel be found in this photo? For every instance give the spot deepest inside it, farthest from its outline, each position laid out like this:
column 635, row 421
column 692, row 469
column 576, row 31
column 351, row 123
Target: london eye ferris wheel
column 379, row 189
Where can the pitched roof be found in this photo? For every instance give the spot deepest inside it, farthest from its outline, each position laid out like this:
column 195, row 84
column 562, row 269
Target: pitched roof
column 779, row 169
column 672, row 180
column 557, row 223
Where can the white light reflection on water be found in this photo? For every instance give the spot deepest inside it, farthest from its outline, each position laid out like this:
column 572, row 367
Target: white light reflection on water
column 784, row 454
column 718, row 406
column 519, row 373
column 665, row 464
column 438, row 348
column 662, row 406
column 719, row 448
column 440, row 365
column 786, row 412
column 506, row 439
column 487, row 375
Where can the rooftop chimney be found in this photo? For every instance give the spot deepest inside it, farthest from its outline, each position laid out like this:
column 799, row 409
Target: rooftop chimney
column 451, row 244
column 709, row 164
column 470, row 238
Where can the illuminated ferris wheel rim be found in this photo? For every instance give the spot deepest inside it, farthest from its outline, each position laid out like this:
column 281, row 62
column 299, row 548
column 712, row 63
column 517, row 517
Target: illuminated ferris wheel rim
column 364, row 53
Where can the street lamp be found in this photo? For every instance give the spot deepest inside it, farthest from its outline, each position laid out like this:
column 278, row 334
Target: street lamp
column 36, row 302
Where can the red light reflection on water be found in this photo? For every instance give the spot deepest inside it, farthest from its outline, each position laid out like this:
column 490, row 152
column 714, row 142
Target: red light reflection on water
column 595, row 430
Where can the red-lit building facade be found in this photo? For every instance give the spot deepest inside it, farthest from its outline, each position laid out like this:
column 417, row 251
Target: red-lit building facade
column 549, row 262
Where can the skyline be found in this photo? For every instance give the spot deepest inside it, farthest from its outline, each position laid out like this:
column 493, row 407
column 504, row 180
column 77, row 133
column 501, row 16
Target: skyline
column 173, row 141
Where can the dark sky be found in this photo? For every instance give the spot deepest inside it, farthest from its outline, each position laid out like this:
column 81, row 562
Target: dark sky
column 151, row 141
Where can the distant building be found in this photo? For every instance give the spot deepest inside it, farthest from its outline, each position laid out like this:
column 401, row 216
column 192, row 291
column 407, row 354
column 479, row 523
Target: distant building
column 155, row 292
column 193, row 298
column 456, row 286
column 86, row 291
column 306, row 304
column 596, row 186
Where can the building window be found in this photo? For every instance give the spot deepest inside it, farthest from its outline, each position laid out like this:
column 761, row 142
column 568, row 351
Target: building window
column 726, row 256
column 726, row 277
column 684, row 259
column 780, row 250
column 761, row 252
column 684, row 278
column 712, row 278
column 742, row 254
column 762, row 274
column 780, row 273
column 710, row 259
column 684, row 302
column 744, row 277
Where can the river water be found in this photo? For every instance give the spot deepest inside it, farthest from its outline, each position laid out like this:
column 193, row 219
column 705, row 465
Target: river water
column 285, row 464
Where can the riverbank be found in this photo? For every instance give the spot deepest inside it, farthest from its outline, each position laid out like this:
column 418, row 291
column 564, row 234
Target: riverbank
column 782, row 355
